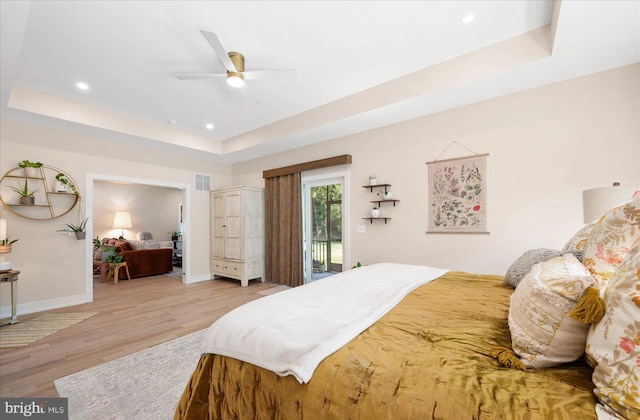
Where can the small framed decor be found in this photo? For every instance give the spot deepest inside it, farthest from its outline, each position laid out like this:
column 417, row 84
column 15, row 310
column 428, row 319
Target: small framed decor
column 458, row 195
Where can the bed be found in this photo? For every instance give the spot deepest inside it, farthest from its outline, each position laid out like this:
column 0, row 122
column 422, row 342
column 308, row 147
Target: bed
column 439, row 344
column 427, row 357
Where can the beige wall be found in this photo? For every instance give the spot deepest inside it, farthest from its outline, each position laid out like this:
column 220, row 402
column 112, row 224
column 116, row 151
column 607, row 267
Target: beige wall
column 54, row 267
column 545, row 147
column 153, row 209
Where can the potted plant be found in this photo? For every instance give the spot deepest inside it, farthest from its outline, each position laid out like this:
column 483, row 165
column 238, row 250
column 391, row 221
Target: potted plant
column 373, row 180
column 385, row 195
column 108, row 253
column 97, row 243
column 114, row 258
column 63, row 184
column 375, row 212
column 175, row 235
column 79, row 229
column 5, row 245
column 26, row 196
column 30, row 168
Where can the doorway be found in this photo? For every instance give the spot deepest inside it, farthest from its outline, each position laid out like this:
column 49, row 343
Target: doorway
column 324, row 236
column 183, row 211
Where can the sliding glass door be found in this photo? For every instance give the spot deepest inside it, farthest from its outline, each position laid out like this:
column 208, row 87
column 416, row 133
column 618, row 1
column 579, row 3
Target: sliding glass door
column 324, row 239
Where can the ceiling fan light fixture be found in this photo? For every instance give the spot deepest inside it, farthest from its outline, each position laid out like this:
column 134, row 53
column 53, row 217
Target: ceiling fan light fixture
column 235, row 79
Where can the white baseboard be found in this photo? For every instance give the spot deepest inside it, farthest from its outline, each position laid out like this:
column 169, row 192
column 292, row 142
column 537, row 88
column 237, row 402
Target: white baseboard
column 43, row 305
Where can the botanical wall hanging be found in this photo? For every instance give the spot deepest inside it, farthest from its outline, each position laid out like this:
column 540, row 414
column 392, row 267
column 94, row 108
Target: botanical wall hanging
column 458, row 195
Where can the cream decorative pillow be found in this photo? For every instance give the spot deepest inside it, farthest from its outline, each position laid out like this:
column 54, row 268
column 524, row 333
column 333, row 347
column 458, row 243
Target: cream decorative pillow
column 611, row 239
column 137, row 244
column 542, row 333
column 579, row 240
column 526, row 261
column 613, row 344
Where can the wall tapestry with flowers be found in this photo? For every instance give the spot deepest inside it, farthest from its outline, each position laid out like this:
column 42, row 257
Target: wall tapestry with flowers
column 458, row 195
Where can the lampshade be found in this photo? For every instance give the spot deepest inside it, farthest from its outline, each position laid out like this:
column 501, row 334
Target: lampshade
column 3, row 229
column 597, row 201
column 122, row 220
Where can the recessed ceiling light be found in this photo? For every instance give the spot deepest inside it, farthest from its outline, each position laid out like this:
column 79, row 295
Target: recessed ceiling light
column 172, row 122
column 468, row 18
column 209, row 126
column 82, row 86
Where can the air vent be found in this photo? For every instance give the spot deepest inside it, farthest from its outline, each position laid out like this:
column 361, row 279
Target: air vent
column 203, row 182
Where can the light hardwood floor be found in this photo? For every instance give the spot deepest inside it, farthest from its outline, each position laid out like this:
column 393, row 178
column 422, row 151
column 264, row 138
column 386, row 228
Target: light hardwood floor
column 132, row 316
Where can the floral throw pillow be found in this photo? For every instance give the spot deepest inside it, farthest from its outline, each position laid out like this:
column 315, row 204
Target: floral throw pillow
column 613, row 344
column 610, row 240
column 579, row 240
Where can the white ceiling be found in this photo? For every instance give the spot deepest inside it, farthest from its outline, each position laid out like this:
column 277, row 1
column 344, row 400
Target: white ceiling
column 360, row 64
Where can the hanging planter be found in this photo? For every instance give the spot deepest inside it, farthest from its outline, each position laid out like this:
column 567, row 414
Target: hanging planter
column 79, row 229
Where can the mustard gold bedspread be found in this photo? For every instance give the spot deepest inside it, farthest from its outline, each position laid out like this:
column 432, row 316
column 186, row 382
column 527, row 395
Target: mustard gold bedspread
column 428, row 358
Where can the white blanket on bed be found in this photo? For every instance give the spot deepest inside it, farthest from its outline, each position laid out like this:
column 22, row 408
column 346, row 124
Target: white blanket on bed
column 291, row 332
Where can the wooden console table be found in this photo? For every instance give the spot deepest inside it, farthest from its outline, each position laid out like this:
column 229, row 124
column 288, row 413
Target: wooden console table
column 11, row 277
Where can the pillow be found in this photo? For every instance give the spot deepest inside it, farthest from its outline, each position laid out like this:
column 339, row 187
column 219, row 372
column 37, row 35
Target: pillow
column 152, row 245
column 526, row 261
column 613, row 344
column 123, row 246
column 617, row 232
column 144, row 236
column 137, row 244
column 542, row 333
column 579, row 240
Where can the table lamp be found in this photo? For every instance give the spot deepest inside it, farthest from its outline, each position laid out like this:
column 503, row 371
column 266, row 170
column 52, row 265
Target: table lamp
column 122, row 220
column 598, row 201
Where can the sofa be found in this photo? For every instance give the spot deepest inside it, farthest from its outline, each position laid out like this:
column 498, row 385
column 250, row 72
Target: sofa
column 141, row 262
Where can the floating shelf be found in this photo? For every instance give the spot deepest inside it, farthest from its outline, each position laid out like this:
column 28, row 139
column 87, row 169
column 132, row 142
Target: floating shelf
column 371, row 219
column 379, row 202
column 371, row 187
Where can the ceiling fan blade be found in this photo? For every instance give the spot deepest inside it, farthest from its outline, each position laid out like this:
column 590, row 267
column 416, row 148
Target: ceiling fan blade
column 249, row 98
column 271, row 74
column 222, row 54
column 199, row 76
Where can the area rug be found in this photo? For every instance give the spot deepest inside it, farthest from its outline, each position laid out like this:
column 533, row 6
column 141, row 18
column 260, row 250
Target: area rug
column 142, row 385
column 32, row 330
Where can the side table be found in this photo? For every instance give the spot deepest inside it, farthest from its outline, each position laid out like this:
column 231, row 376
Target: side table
column 11, row 277
column 115, row 268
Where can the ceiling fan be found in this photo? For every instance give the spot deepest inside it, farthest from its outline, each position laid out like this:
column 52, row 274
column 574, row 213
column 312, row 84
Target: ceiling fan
column 234, row 63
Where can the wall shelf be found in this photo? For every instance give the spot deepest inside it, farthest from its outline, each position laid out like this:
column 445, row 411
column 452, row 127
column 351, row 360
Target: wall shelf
column 371, row 187
column 58, row 203
column 379, row 202
column 371, row 219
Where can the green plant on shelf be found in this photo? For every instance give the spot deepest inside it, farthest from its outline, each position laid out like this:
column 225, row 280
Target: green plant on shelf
column 62, row 178
column 27, row 164
column 23, row 190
